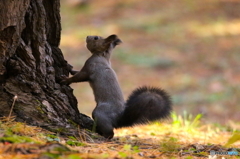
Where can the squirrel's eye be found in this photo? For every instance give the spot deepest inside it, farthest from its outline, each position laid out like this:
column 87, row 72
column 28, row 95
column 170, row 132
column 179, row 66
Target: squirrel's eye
column 95, row 38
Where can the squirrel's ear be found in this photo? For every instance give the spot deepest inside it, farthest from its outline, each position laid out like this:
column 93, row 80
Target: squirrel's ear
column 113, row 39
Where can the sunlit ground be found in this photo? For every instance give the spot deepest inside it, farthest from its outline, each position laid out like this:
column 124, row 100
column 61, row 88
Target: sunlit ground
column 183, row 136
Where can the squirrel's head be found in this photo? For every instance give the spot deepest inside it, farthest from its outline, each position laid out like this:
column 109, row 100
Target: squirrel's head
column 98, row 45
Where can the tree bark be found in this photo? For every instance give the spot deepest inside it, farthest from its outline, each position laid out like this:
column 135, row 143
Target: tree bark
column 31, row 65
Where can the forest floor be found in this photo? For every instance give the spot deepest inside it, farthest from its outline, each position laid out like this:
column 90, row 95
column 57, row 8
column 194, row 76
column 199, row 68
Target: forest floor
column 180, row 137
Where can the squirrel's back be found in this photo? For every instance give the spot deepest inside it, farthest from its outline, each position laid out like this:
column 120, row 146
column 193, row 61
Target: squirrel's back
column 103, row 80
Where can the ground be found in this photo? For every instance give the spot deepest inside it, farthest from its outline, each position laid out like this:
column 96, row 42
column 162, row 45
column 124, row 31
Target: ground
column 179, row 137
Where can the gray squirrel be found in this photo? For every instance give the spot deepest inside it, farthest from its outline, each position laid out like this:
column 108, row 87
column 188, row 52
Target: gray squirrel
column 143, row 105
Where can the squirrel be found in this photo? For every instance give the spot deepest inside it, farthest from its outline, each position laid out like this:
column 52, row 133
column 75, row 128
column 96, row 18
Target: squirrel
column 143, row 105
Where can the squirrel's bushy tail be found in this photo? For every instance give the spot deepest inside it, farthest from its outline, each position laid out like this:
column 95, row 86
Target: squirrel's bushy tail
column 146, row 104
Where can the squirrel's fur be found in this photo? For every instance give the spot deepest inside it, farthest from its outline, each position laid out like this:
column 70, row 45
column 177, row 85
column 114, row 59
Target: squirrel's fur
column 143, row 105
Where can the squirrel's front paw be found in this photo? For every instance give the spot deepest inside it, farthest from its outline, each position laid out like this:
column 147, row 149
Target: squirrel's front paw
column 64, row 80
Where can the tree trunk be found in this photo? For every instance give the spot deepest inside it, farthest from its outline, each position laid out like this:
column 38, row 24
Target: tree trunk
column 31, row 64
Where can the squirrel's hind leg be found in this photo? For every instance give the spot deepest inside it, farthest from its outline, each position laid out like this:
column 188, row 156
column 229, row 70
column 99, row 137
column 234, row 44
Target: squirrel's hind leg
column 104, row 128
column 103, row 123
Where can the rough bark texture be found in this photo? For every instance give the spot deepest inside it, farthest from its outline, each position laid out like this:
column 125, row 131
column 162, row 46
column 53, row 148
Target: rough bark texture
column 31, row 64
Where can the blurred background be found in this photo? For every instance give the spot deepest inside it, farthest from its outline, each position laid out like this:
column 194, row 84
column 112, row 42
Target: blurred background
column 190, row 48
